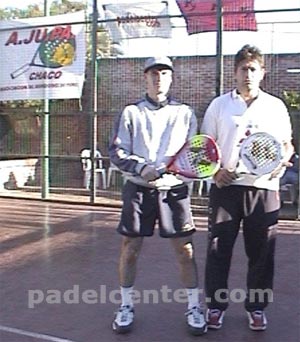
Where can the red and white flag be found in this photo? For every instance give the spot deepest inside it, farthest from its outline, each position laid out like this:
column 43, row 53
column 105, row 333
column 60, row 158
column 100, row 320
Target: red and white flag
column 201, row 15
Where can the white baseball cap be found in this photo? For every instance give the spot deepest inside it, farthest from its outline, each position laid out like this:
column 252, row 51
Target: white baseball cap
column 158, row 61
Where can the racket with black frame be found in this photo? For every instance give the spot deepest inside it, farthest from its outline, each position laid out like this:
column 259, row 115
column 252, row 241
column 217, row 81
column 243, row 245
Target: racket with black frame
column 53, row 52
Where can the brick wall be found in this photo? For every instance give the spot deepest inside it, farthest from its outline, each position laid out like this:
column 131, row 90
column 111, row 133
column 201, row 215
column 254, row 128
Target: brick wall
column 121, row 80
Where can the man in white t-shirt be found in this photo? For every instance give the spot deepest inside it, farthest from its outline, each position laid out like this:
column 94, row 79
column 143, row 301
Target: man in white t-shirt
column 249, row 199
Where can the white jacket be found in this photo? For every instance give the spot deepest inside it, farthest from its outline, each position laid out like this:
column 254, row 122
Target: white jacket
column 149, row 133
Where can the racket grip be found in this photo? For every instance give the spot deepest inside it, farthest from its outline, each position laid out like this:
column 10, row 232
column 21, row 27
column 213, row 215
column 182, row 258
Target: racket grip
column 20, row 71
column 161, row 170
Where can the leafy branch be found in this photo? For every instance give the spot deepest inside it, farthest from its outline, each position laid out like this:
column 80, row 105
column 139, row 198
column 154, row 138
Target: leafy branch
column 292, row 99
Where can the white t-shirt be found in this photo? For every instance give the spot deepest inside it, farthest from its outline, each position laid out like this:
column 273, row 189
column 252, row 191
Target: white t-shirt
column 229, row 120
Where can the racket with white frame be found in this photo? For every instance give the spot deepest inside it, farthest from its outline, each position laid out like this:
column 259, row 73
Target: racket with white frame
column 261, row 153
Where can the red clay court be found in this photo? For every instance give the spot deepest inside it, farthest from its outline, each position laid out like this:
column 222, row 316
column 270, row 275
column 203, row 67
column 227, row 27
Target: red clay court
column 59, row 280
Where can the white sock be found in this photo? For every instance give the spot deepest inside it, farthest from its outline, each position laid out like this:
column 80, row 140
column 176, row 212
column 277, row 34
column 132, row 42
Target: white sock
column 193, row 297
column 126, row 295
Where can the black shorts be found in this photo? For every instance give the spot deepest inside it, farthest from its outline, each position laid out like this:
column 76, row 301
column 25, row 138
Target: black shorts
column 144, row 207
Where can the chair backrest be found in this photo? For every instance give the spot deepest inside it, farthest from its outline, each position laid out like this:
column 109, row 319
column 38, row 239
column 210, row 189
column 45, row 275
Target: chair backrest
column 86, row 159
column 113, row 166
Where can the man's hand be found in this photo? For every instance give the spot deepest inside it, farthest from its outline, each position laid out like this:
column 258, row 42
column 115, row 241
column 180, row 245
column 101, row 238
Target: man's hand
column 149, row 173
column 288, row 150
column 277, row 172
column 224, row 178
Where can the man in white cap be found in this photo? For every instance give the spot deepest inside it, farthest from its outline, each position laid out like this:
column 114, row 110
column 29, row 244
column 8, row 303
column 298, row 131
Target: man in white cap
column 146, row 135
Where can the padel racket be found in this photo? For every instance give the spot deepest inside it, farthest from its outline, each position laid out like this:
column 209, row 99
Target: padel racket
column 56, row 50
column 260, row 153
column 199, row 158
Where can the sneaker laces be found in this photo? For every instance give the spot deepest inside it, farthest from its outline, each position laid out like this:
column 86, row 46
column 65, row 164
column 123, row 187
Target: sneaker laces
column 214, row 318
column 123, row 313
column 215, row 311
column 257, row 313
column 197, row 314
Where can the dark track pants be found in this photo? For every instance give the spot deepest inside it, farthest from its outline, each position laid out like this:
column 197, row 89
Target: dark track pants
column 257, row 210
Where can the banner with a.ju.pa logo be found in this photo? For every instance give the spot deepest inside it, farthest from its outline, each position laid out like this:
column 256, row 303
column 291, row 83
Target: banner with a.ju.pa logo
column 42, row 62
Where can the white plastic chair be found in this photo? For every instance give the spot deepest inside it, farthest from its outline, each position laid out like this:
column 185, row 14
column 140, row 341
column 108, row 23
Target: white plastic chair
column 111, row 174
column 288, row 193
column 87, row 166
column 200, row 184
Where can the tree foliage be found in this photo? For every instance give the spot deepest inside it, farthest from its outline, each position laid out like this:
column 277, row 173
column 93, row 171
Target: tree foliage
column 56, row 7
column 292, row 99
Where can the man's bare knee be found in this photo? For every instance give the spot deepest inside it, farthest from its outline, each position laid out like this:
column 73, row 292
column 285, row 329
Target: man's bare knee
column 131, row 248
column 184, row 249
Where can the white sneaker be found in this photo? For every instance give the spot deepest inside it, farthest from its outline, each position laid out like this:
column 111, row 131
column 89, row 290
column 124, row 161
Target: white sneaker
column 214, row 318
column 123, row 320
column 196, row 321
column 257, row 320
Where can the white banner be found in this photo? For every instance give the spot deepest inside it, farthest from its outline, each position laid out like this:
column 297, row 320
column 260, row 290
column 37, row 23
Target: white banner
column 137, row 20
column 41, row 62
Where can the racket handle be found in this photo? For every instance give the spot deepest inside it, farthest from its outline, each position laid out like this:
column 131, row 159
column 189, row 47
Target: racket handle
column 20, row 71
column 161, row 170
column 238, row 175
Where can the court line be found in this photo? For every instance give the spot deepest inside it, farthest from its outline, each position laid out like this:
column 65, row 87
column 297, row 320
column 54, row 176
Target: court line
column 34, row 335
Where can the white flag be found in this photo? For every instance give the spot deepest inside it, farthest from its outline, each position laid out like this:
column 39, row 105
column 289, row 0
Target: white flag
column 137, row 20
column 42, row 62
